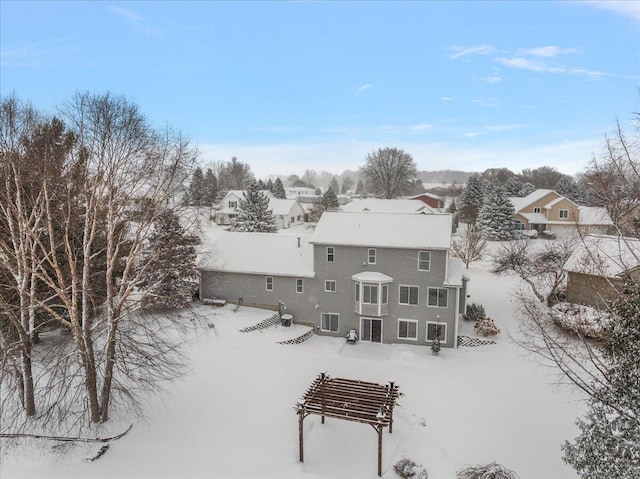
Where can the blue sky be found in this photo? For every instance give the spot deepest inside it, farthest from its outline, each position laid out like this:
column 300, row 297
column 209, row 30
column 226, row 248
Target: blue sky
column 286, row 86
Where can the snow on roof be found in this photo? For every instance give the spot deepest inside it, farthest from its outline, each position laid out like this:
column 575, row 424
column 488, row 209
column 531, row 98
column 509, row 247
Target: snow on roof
column 240, row 193
column 520, row 203
column 429, row 231
column 281, row 207
column 455, row 272
column 259, row 253
column 388, row 206
column 594, row 215
column 604, row 255
column 535, row 218
column 371, row 277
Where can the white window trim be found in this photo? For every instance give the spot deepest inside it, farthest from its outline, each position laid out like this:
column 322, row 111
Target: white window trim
column 368, row 318
column 426, row 334
column 436, row 306
column 333, row 254
column 301, row 285
column 409, row 296
column 329, row 330
column 537, row 209
column 384, row 300
column 560, row 214
column 424, row 251
column 266, row 283
column 375, row 256
column 378, row 292
column 415, row 321
column 335, row 285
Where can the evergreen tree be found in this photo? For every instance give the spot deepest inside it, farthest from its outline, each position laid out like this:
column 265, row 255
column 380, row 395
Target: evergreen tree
column 334, row 185
column 210, row 188
column 326, row 202
column 527, row 189
column 359, row 187
column 453, row 211
column 168, row 265
column 278, row 189
column 254, row 214
column 435, row 345
column 609, row 442
column 471, row 200
column 261, row 185
column 347, row 183
column 197, row 188
column 270, row 185
column 513, row 186
column 496, row 214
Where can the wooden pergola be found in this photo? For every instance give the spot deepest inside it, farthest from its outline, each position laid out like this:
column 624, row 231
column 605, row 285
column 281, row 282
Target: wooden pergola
column 350, row 400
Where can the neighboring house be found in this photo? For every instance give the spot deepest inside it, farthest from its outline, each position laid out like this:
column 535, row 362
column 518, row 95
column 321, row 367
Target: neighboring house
column 377, row 205
column 388, row 276
column 300, row 191
column 288, row 213
column 598, row 266
column 547, row 210
column 629, row 220
column 431, row 200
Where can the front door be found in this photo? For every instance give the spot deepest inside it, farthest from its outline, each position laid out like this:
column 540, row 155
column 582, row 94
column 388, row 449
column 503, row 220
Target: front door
column 371, row 330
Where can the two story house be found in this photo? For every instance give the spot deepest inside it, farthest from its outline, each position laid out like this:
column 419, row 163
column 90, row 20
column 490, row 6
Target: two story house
column 548, row 210
column 388, row 276
column 379, row 205
column 287, row 212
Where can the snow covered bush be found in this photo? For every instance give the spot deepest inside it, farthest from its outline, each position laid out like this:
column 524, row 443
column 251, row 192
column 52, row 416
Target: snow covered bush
column 406, row 469
column 474, row 312
column 435, row 346
column 486, row 327
column 548, row 234
column 586, row 321
column 490, row 471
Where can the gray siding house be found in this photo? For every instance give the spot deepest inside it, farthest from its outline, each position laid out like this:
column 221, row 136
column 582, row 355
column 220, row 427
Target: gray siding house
column 388, row 276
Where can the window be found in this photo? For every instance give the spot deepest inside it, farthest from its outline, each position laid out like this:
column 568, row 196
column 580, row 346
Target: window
column 563, row 214
column 370, row 294
column 357, row 292
column 330, row 285
column 329, row 322
column 385, row 293
column 409, row 295
column 536, row 209
column 436, row 329
column 293, row 219
column 518, row 225
column 372, row 256
column 269, row 283
column 407, row 329
column 331, row 254
column 233, row 204
column 299, row 285
column 438, row 297
column 298, row 217
column 424, row 260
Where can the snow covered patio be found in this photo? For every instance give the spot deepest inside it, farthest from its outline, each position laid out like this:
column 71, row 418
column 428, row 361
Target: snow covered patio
column 234, row 415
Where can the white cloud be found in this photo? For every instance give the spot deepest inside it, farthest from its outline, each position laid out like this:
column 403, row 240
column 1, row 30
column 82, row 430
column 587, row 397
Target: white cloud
column 460, row 51
column 137, row 23
column 493, row 79
column 363, row 88
column 447, row 98
column 536, row 65
column 420, row 127
column 628, row 8
column 546, row 52
column 489, row 103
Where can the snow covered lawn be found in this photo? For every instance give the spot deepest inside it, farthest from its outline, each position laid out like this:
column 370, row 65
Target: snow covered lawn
column 233, row 416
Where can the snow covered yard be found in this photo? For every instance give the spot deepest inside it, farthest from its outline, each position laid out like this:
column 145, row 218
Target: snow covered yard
column 233, row 416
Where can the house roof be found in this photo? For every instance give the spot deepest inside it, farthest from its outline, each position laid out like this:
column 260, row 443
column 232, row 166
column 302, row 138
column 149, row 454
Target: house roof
column 455, row 273
column 534, row 218
column 372, row 277
column 388, row 206
column 594, row 215
column 603, row 255
column 240, row 194
column 521, row 203
column 259, row 253
column 281, row 207
column 415, row 231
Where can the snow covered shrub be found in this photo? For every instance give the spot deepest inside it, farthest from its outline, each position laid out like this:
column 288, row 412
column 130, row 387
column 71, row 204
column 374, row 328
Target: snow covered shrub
column 435, row 346
column 406, row 469
column 548, row 234
column 586, row 321
column 474, row 312
column 486, row 327
column 490, row 471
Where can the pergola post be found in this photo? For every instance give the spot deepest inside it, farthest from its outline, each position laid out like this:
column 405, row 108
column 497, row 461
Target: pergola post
column 379, row 429
column 391, row 391
column 301, row 435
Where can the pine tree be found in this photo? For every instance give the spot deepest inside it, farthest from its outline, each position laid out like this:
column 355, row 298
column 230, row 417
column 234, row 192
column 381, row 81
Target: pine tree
column 327, row 201
column 278, row 189
column 270, row 185
column 453, row 211
column 197, row 188
column 435, row 345
column 261, row 185
column 513, row 186
column 254, row 214
column 609, row 442
column 471, row 200
column 334, row 185
column 168, row 265
column 495, row 218
column 359, row 187
column 210, row 188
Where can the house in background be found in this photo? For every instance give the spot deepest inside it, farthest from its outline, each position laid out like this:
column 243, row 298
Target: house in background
column 598, row 266
column 288, row 213
column 299, row 191
column 433, row 201
column 388, row 276
column 377, row 205
column 547, row 210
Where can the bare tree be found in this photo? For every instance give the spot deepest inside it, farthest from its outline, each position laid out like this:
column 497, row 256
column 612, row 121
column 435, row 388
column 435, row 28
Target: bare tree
column 471, row 246
column 390, row 171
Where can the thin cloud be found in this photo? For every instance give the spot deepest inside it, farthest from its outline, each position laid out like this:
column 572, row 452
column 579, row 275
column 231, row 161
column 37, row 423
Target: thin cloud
column 136, row 22
column 489, row 103
column 627, row 8
column 520, row 63
column 548, row 51
column 447, row 98
column 34, row 55
column 493, row 79
column 460, row 51
column 363, row 88
column 420, row 127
